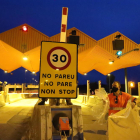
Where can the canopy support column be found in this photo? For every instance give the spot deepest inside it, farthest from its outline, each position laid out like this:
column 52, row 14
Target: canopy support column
column 126, row 81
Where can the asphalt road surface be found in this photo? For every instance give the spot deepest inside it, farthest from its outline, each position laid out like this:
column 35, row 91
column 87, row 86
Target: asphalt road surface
column 14, row 121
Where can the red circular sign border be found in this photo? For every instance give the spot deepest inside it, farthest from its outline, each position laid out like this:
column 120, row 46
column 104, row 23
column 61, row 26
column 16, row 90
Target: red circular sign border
column 61, row 48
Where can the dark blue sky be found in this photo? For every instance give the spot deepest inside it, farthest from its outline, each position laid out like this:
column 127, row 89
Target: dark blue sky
column 97, row 18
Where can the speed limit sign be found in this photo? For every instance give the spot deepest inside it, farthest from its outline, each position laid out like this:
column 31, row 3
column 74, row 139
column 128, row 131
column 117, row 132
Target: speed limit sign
column 59, row 58
column 58, row 70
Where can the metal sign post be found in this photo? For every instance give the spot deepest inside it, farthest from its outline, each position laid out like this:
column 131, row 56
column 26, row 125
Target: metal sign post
column 88, row 89
column 58, row 68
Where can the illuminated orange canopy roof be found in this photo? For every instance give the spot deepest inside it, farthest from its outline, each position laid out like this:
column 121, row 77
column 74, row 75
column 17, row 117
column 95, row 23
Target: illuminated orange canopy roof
column 16, row 44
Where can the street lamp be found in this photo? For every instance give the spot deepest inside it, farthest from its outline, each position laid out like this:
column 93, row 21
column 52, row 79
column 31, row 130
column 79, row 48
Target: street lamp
column 109, row 82
column 131, row 85
column 5, row 71
column 111, row 62
column 25, row 58
column 33, row 72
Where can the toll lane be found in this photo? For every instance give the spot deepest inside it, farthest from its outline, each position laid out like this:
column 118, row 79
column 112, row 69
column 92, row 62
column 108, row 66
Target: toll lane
column 14, row 119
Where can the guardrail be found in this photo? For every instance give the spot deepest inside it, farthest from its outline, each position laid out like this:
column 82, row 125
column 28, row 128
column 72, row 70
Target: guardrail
column 83, row 99
column 22, row 93
column 2, row 101
column 13, row 97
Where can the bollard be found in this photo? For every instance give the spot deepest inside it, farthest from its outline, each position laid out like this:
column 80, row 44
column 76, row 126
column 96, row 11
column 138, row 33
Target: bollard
column 77, row 92
column 99, row 84
column 88, row 89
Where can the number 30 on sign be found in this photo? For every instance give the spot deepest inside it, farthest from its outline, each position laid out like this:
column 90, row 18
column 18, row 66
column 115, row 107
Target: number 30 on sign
column 58, row 70
column 59, row 58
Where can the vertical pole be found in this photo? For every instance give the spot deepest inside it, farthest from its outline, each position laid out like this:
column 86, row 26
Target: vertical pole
column 77, row 92
column 63, row 27
column 99, row 84
column 130, row 91
column 15, row 88
column 129, row 88
column 7, row 95
column 64, row 24
column 7, row 90
column 25, row 76
column 22, row 88
column 88, row 89
column 126, row 81
column 139, row 89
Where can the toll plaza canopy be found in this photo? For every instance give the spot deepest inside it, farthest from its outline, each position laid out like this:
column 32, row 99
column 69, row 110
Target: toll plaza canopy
column 22, row 49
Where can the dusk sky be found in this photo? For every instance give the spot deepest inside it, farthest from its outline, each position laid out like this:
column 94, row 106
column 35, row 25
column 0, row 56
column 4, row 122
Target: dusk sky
column 96, row 18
